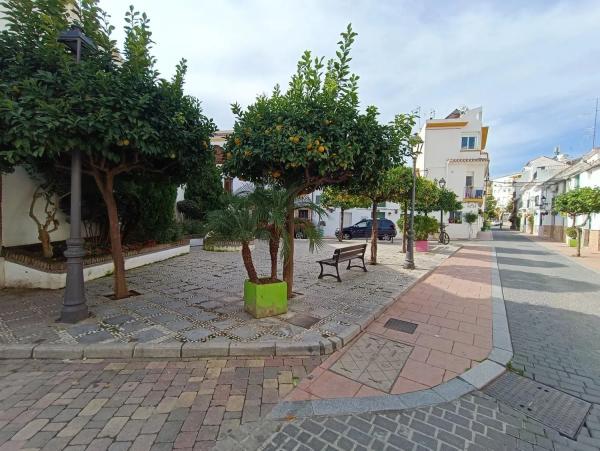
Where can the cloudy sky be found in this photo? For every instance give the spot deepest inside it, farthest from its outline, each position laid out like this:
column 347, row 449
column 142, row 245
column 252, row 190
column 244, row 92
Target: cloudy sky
column 533, row 65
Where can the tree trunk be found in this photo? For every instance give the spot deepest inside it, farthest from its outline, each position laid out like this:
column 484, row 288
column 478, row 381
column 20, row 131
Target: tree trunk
column 44, row 238
column 579, row 230
column 405, row 227
column 341, row 235
column 106, row 189
column 288, row 262
column 248, row 264
column 273, row 251
column 374, row 233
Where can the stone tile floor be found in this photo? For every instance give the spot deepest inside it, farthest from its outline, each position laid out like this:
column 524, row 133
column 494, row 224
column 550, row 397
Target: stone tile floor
column 451, row 311
column 197, row 298
column 138, row 405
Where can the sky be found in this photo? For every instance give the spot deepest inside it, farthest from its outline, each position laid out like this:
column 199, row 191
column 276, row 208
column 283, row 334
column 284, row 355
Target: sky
column 534, row 66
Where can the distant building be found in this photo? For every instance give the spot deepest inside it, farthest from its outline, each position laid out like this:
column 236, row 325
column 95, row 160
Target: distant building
column 534, row 200
column 504, row 190
column 454, row 149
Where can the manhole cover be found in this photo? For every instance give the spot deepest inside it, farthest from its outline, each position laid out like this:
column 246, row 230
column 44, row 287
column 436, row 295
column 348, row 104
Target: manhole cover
column 373, row 361
column 551, row 407
column 301, row 320
column 400, row 326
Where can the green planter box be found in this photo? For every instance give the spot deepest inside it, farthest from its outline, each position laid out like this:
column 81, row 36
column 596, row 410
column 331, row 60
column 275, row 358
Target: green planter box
column 262, row 300
column 573, row 242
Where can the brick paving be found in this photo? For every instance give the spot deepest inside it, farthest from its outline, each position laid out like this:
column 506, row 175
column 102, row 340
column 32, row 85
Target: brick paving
column 474, row 422
column 197, row 298
column 138, row 405
column 452, row 312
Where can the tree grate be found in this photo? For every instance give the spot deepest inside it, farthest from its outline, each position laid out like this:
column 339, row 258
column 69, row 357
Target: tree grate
column 400, row 326
column 553, row 408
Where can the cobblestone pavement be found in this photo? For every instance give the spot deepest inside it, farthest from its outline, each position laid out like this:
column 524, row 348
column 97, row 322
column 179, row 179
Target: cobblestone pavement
column 197, row 298
column 475, row 422
column 138, row 405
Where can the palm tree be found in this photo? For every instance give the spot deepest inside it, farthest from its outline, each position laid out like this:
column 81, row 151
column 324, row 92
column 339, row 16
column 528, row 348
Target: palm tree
column 272, row 204
column 238, row 221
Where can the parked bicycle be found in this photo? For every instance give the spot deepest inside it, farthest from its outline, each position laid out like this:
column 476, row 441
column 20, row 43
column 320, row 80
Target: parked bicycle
column 444, row 237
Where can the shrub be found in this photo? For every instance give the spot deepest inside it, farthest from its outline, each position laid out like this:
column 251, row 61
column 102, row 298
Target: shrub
column 470, row 217
column 190, row 209
column 194, row 227
column 571, row 232
column 424, row 226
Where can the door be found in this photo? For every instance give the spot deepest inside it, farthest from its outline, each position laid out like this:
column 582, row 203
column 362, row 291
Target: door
column 360, row 228
column 347, row 218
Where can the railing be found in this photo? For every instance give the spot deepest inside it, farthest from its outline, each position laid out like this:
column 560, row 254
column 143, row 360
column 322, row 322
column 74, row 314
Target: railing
column 473, row 193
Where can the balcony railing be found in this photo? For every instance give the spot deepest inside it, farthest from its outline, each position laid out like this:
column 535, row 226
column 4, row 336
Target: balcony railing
column 472, row 192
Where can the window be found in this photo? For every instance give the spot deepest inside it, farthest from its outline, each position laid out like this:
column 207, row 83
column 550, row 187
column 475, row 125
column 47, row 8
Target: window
column 303, row 214
column 469, row 180
column 318, row 199
column 380, row 215
column 361, row 224
column 468, row 142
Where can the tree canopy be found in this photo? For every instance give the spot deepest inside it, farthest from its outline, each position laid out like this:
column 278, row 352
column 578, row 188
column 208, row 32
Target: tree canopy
column 112, row 107
column 312, row 134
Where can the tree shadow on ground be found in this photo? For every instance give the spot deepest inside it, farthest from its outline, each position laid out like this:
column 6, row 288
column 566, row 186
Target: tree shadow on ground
column 530, row 281
column 512, row 261
column 528, row 251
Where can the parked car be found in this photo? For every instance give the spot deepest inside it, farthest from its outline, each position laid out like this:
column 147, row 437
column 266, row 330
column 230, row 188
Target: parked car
column 362, row 229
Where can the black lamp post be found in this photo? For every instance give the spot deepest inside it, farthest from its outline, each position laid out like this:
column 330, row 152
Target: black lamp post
column 442, row 185
column 409, row 263
column 74, row 305
column 513, row 214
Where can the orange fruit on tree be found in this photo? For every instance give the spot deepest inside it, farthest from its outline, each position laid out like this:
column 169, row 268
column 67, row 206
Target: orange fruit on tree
column 321, row 149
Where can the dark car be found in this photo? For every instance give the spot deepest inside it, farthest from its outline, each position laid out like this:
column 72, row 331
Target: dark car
column 362, row 229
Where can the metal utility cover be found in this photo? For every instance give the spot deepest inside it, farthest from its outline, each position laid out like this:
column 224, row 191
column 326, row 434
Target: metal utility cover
column 400, row 326
column 551, row 407
column 373, row 361
column 302, row 320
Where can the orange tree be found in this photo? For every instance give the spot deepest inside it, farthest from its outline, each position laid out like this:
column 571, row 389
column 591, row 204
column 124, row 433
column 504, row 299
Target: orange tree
column 309, row 136
column 382, row 183
column 123, row 118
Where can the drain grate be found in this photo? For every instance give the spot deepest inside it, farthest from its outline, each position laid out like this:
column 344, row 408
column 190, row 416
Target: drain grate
column 400, row 326
column 302, row 320
column 551, row 407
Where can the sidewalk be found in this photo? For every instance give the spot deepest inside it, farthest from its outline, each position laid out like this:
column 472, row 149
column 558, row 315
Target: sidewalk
column 437, row 330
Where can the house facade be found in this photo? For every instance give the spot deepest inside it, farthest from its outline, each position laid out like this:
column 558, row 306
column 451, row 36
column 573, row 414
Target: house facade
column 454, row 148
column 535, row 197
column 582, row 172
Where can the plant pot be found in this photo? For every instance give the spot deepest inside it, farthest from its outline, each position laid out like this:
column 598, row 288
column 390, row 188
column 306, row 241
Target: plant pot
column 421, row 245
column 573, row 242
column 267, row 299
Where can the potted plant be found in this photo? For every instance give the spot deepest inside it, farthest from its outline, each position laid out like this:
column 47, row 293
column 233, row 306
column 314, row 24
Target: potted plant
column 572, row 235
column 424, row 226
column 260, row 215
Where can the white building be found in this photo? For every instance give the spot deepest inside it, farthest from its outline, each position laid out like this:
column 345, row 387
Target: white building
column 534, row 200
column 454, row 149
column 504, row 190
column 582, row 172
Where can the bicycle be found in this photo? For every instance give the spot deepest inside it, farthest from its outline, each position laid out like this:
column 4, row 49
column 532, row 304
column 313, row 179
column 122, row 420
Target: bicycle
column 444, row 237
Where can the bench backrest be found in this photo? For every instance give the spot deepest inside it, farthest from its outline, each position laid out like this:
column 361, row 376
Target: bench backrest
column 349, row 251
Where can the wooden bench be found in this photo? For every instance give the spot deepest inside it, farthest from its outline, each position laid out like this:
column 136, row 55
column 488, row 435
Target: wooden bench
column 343, row 254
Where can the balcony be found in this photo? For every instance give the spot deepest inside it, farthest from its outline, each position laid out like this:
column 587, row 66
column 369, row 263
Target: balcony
column 473, row 194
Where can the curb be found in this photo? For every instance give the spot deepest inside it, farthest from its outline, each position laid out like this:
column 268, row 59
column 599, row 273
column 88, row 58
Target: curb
column 177, row 350
column 474, row 379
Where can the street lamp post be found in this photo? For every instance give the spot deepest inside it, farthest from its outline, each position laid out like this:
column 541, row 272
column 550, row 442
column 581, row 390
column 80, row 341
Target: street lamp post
column 442, row 185
column 409, row 262
column 74, row 304
column 513, row 224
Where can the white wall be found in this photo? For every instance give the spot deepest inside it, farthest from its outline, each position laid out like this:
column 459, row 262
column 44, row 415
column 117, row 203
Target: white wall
column 17, row 227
